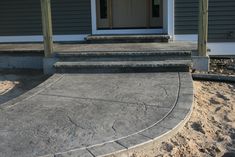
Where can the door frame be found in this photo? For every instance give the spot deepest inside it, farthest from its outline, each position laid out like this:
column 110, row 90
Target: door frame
column 168, row 22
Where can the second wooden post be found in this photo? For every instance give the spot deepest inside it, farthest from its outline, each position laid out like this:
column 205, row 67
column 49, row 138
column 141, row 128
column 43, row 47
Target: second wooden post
column 47, row 27
column 203, row 27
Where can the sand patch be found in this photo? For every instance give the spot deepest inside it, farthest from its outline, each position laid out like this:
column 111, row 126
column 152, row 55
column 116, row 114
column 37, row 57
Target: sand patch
column 211, row 128
column 6, row 86
column 13, row 85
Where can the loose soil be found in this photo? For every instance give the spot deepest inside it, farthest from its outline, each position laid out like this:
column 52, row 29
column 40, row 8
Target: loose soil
column 210, row 131
column 6, row 86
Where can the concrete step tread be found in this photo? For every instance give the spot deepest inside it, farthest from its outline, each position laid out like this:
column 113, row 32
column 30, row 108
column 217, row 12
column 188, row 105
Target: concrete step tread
column 123, row 53
column 127, row 38
column 124, row 63
column 101, row 37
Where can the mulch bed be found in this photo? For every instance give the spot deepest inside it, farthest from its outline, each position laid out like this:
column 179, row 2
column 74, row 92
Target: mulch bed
column 224, row 66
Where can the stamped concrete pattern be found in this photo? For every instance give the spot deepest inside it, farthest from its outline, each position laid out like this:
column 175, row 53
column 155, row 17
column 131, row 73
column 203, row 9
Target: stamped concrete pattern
column 94, row 114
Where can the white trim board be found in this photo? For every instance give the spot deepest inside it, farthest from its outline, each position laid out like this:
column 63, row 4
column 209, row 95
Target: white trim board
column 218, row 48
column 39, row 38
column 186, row 37
column 222, row 48
column 169, row 17
column 168, row 22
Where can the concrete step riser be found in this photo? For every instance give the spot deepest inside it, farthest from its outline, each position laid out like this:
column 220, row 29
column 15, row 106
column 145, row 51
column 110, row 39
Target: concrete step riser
column 127, row 38
column 108, row 41
column 125, row 58
column 173, row 68
column 123, row 62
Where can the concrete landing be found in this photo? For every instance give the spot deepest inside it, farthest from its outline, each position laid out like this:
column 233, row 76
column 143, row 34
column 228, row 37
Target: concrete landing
column 89, row 115
column 82, row 47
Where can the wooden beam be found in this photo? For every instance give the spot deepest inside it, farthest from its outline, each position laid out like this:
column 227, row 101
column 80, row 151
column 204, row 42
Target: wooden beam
column 47, row 27
column 203, row 27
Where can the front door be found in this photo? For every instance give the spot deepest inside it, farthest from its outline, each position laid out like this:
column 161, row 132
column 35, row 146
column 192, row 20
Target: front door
column 120, row 14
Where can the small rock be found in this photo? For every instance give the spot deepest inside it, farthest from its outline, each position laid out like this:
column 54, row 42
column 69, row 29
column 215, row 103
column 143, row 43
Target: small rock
column 167, row 147
column 227, row 119
column 197, row 126
column 218, row 109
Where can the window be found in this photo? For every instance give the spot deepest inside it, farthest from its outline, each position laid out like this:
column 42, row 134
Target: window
column 103, row 9
column 155, row 8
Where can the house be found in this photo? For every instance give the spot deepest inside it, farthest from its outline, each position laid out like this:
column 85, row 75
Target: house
column 73, row 20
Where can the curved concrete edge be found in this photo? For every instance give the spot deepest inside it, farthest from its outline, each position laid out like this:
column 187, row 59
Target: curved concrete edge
column 29, row 94
column 148, row 139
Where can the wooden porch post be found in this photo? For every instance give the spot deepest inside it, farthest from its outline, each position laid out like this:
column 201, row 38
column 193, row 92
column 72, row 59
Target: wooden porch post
column 203, row 28
column 47, row 27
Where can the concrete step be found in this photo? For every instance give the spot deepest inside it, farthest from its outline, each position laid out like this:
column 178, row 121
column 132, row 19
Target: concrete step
column 127, row 38
column 124, row 56
column 123, row 66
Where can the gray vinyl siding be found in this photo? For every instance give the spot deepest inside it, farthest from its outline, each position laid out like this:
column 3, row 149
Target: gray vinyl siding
column 23, row 17
column 71, row 16
column 20, row 17
column 186, row 16
column 221, row 19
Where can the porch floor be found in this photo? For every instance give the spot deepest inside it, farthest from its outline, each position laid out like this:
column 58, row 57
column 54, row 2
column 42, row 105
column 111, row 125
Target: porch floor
column 83, row 47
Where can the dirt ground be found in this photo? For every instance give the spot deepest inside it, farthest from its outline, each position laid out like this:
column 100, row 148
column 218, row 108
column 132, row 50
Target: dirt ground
column 209, row 132
column 211, row 128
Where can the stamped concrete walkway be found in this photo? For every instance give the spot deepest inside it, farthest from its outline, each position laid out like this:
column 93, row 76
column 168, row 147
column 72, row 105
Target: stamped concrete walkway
column 87, row 115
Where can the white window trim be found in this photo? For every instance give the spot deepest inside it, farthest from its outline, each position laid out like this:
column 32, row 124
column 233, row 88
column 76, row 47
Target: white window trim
column 39, row 38
column 168, row 22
